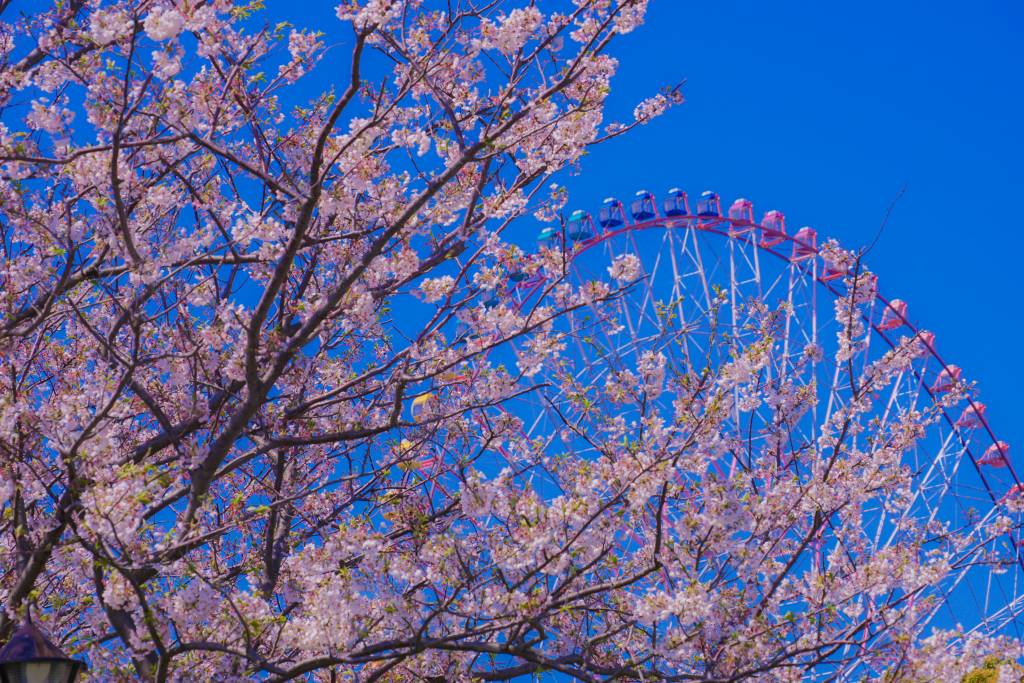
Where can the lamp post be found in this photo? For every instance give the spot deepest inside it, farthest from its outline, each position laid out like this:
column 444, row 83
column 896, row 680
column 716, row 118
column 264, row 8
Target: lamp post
column 30, row 657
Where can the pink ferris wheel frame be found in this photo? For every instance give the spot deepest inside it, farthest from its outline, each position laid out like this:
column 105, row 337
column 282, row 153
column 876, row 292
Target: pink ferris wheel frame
column 745, row 230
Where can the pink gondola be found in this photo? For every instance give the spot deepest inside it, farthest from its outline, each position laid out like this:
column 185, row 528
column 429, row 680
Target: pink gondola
column 832, row 271
column 867, row 286
column 741, row 213
column 996, row 455
column 1014, row 492
column 894, row 315
column 947, row 379
column 773, row 229
column 972, row 417
column 805, row 244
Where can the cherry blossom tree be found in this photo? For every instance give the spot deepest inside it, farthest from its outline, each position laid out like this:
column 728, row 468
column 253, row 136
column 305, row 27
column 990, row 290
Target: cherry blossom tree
column 257, row 370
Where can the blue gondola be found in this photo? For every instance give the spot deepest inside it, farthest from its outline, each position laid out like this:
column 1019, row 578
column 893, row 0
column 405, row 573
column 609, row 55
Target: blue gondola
column 612, row 214
column 675, row 204
column 580, row 226
column 708, row 204
column 548, row 236
column 642, row 207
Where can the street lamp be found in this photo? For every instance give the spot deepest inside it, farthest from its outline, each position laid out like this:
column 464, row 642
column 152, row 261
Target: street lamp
column 30, row 657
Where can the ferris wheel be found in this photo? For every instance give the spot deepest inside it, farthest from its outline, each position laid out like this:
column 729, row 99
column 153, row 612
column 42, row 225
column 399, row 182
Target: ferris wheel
column 695, row 286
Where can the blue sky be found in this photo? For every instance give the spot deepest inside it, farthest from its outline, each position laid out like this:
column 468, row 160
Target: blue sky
column 824, row 111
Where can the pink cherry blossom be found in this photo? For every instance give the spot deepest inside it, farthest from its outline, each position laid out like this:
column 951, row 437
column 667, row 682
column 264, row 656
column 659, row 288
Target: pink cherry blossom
column 288, row 395
column 163, row 23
